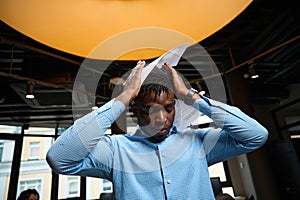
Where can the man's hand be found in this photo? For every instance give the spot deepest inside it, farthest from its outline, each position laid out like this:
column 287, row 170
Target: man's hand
column 180, row 88
column 132, row 85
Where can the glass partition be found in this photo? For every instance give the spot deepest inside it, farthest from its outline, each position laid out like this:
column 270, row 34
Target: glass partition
column 218, row 170
column 39, row 131
column 10, row 129
column 6, row 157
column 35, row 172
column 68, row 186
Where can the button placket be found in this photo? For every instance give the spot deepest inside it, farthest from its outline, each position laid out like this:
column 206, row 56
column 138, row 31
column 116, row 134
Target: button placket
column 163, row 158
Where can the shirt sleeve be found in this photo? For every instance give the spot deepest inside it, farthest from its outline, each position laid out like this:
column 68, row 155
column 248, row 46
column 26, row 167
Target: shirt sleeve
column 74, row 151
column 237, row 133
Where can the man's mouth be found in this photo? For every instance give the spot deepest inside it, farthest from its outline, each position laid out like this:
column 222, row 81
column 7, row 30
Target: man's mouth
column 159, row 136
column 162, row 131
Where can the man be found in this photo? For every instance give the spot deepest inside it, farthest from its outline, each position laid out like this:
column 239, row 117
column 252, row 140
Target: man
column 157, row 161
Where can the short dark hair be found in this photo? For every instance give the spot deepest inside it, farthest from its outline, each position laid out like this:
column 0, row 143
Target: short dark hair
column 157, row 83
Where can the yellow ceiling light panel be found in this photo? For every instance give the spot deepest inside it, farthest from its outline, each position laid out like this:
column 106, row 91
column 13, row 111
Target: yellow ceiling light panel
column 79, row 27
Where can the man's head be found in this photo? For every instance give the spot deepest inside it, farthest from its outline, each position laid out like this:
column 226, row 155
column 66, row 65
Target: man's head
column 154, row 107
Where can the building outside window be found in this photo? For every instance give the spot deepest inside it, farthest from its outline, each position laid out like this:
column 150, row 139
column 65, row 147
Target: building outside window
column 34, row 150
column 30, row 184
column 6, row 155
column 73, row 186
column 107, row 186
column 217, row 170
column 1, row 150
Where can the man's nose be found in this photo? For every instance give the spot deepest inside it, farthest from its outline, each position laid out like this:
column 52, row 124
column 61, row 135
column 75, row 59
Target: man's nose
column 160, row 117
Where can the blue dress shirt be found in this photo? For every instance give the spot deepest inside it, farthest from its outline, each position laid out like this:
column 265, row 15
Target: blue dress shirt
column 174, row 169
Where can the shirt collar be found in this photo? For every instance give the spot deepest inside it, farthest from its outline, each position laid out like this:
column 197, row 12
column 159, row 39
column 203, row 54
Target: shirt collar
column 140, row 135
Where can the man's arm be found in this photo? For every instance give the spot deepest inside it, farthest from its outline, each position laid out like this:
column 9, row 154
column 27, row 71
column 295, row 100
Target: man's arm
column 74, row 152
column 237, row 133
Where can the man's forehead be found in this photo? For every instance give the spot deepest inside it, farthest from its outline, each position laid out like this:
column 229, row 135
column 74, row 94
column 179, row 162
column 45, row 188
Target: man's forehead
column 151, row 98
column 156, row 105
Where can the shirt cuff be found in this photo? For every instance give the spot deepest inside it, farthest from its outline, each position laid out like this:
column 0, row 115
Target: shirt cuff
column 203, row 105
column 117, row 107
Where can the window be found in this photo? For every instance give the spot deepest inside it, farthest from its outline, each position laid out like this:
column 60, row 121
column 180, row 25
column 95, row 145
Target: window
column 10, row 129
column 107, row 186
column 6, row 155
column 30, row 183
column 1, row 150
column 40, row 131
column 34, row 150
column 73, row 186
column 60, row 130
column 218, row 170
column 94, row 187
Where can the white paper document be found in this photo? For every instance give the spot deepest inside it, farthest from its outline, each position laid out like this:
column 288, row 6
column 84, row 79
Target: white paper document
column 171, row 57
column 185, row 115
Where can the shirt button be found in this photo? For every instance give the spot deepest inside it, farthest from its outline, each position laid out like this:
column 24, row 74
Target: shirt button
column 169, row 181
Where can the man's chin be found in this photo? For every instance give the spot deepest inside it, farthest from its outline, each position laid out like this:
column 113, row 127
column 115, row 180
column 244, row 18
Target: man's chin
column 158, row 138
column 160, row 135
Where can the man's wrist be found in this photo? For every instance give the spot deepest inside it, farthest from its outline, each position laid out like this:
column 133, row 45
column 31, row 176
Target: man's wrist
column 125, row 98
column 191, row 96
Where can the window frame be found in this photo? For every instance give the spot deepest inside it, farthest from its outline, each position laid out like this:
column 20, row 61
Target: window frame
column 33, row 145
column 70, row 180
column 38, row 187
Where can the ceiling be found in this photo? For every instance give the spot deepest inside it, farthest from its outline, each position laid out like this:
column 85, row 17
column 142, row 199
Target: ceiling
column 266, row 35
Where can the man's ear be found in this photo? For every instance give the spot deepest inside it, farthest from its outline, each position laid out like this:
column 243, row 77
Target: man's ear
column 133, row 108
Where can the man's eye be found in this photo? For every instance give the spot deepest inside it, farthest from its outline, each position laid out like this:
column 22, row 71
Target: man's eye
column 169, row 108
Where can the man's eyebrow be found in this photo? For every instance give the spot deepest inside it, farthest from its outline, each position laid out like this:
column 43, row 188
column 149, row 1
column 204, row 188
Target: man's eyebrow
column 170, row 104
column 150, row 105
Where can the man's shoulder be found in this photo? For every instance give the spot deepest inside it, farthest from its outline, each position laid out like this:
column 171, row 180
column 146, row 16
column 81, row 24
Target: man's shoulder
column 192, row 131
column 119, row 138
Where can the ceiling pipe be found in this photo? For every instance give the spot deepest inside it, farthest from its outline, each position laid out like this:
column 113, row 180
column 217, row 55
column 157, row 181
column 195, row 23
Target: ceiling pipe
column 18, row 77
column 192, row 81
column 39, row 50
column 251, row 60
column 45, row 52
column 262, row 54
